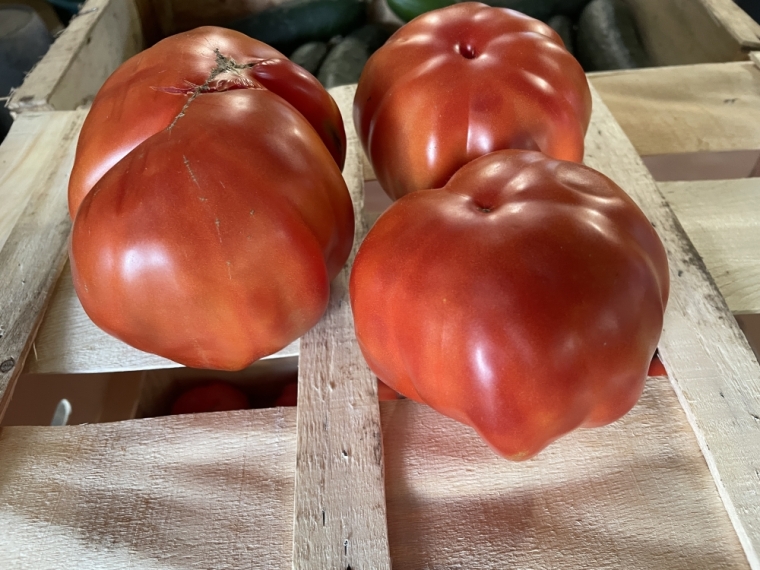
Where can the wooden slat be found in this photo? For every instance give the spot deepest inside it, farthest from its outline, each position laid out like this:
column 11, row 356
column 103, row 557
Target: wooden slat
column 712, row 367
column 708, row 107
column 681, row 32
column 95, row 43
column 736, row 21
column 722, row 220
column 636, row 494
column 68, row 342
column 198, row 491
column 216, row 490
column 34, row 251
column 340, row 517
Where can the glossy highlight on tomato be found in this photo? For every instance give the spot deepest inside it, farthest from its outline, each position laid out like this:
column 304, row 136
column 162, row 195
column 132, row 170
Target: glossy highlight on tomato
column 525, row 298
column 460, row 82
column 210, row 213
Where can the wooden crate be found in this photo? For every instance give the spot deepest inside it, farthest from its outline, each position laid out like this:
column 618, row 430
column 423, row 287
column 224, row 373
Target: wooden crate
column 342, row 482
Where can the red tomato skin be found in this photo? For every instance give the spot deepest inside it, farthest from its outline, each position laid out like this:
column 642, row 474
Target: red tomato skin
column 211, row 242
column 525, row 299
column 460, row 82
column 146, row 93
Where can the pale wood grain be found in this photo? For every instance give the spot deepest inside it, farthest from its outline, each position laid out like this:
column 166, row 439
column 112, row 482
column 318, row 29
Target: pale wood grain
column 736, row 21
column 200, row 491
column 635, row 494
column 93, row 45
column 680, row 32
column 340, row 517
column 708, row 107
column 216, row 491
column 34, row 251
column 722, row 220
column 711, row 365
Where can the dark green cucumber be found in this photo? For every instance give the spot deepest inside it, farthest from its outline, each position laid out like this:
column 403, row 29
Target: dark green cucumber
column 344, row 64
column 569, row 7
column 310, row 56
column 371, row 35
column 290, row 24
column 563, row 25
column 539, row 9
column 409, row 9
column 608, row 38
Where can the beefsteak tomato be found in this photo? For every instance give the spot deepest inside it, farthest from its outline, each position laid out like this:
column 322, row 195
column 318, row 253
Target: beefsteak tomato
column 524, row 298
column 210, row 210
column 463, row 81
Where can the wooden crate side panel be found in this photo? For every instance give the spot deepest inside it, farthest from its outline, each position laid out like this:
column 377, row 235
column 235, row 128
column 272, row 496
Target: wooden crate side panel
column 194, row 491
column 34, row 252
column 722, row 220
column 96, row 42
column 340, row 508
column 708, row 358
column 679, row 32
column 214, row 489
column 694, row 108
column 736, row 21
column 635, row 494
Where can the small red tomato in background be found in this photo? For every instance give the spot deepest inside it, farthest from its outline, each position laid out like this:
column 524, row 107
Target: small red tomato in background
column 525, row 298
column 460, row 82
column 210, row 210
column 656, row 368
column 211, row 397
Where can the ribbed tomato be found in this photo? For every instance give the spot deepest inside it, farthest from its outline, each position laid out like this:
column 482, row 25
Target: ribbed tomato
column 210, row 210
column 524, row 298
column 460, row 82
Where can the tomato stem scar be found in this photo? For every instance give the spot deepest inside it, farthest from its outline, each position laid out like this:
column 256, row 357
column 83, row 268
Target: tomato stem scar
column 224, row 64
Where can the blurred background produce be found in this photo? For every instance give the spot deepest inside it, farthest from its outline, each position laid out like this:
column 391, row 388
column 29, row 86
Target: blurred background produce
column 333, row 39
column 24, row 39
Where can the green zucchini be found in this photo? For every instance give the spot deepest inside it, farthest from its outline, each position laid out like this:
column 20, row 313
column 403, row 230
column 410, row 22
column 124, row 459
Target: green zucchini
column 372, row 35
column 539, row 9
column 290, row 24
column 344, row 64
column 310, row 56
column 608, row 38
column 563, row 25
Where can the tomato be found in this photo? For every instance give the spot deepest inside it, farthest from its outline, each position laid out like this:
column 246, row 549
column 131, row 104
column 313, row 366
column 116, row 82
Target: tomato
column 211, row 397
column 525, row 298
column 463, row 81
column 656, row 367
column 210, row 210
